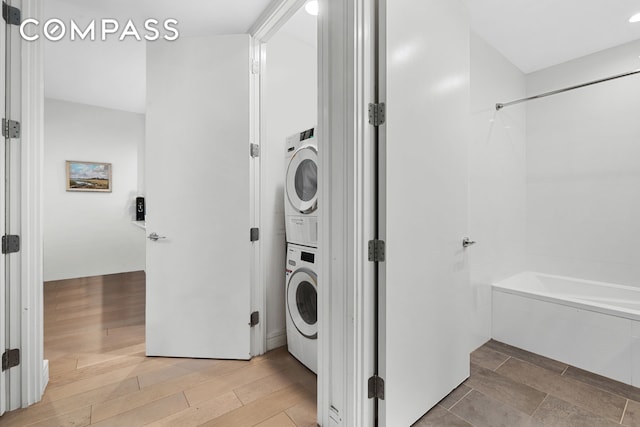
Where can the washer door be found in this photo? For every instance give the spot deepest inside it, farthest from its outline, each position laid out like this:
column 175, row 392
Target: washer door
column 302, row 302
column 302, row 180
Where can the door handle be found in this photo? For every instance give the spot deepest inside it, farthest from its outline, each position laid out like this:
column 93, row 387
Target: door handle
column 466, row 242
column 155, row 237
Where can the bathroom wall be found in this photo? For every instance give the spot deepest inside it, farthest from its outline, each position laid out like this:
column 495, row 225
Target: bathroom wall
column 89, row 234
column 583, row 170
column 497, row 179
column 290, row 83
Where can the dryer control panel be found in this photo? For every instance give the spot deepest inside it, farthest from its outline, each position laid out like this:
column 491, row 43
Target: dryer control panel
column 301, row 256
column 307, row 134
column 297, row 140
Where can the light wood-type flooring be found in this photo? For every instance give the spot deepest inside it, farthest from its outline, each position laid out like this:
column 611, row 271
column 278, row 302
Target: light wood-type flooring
column 99, row 375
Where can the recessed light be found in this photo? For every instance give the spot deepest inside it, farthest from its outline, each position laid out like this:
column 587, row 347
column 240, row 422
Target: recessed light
column 635, row 18
column 312, row 8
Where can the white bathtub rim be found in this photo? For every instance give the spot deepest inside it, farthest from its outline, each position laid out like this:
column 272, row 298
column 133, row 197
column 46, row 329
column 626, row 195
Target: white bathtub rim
column 574, row 279
column 596, row 307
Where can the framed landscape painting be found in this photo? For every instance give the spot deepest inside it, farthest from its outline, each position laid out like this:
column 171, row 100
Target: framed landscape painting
column 88, row 176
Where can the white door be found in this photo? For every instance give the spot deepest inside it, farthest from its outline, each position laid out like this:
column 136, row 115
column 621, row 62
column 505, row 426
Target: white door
column 197, row 194
column 424, row 340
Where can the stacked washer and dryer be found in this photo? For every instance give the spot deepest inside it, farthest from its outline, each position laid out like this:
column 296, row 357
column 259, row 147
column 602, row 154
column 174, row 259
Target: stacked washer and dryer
column 301, row 222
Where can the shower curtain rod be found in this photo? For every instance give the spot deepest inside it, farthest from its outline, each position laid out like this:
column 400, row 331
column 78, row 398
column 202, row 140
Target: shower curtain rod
column 555, row 92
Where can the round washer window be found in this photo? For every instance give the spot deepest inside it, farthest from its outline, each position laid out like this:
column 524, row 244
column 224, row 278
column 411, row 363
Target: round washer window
column 306, row 180
column 307, row 302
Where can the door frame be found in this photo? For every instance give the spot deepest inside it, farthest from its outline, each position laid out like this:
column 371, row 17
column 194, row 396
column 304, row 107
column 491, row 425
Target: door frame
column 346, row 149
column 346, row 158
column 4, row 304
column 33, row 373
column 266, row 26
column 35, row 370
column 346, row 179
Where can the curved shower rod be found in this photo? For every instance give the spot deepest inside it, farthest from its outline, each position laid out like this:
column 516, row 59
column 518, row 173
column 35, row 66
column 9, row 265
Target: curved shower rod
column 500, row 106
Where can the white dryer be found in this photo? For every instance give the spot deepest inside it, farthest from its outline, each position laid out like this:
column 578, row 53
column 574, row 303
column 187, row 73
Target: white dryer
column 302, row 304
column 301, row 189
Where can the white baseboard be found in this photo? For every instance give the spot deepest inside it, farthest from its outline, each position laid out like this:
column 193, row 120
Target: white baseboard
column 45, row 374
column 276, row 339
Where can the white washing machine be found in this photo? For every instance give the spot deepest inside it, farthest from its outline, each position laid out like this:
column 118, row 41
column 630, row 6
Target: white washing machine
column 301, row 189
column 302, row 304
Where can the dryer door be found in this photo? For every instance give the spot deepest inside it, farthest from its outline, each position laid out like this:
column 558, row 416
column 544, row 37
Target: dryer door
column 302, row 302
column 302, row 180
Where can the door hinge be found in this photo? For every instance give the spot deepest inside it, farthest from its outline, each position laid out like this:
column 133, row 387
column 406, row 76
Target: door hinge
column 376, row 388
column 255, row 234
column 10, row 244
column 376, row 250
column 255, row 150
column 255, row 67
column 377, row 114
column 10, row 128
column 11, row 15
column 254, row 319
column 10, row 359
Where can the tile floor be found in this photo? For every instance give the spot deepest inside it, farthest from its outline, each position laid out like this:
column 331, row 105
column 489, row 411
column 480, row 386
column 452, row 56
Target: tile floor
column 510, row 387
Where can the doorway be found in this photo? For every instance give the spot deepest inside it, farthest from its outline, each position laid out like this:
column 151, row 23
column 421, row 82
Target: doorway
column 287, row 86
column 263, row 313
column 94, row 254
column 35, row 14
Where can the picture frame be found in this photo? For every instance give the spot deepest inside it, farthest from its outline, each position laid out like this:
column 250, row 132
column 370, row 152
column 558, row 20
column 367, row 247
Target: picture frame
column 89, row 176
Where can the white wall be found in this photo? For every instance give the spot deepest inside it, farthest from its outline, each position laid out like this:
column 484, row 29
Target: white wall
column 583, row 162
column 290, row 107
column 497, row 179
column 89, row 234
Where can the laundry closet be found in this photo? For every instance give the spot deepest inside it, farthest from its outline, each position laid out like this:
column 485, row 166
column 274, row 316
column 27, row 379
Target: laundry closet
column 288, row 187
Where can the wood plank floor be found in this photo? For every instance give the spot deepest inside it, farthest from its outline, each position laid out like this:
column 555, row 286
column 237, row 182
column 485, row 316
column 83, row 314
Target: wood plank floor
column 99, row 375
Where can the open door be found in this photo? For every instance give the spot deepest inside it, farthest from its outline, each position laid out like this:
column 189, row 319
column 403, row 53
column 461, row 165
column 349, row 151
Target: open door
column 424, row 288
column 198, row 198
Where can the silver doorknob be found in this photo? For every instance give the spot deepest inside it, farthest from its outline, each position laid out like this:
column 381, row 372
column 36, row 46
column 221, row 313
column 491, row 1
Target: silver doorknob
column 155, row 237
column 466, row 242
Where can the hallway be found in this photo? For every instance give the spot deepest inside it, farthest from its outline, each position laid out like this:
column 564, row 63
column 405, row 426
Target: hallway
column 99, row 375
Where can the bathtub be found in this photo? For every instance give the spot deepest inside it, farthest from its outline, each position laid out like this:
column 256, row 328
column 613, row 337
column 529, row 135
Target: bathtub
column 591, row 325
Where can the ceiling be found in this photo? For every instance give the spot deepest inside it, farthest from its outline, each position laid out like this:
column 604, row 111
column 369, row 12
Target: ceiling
column 532, row 34
column 536, row 34
column 111, row 74
column 302, row 27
